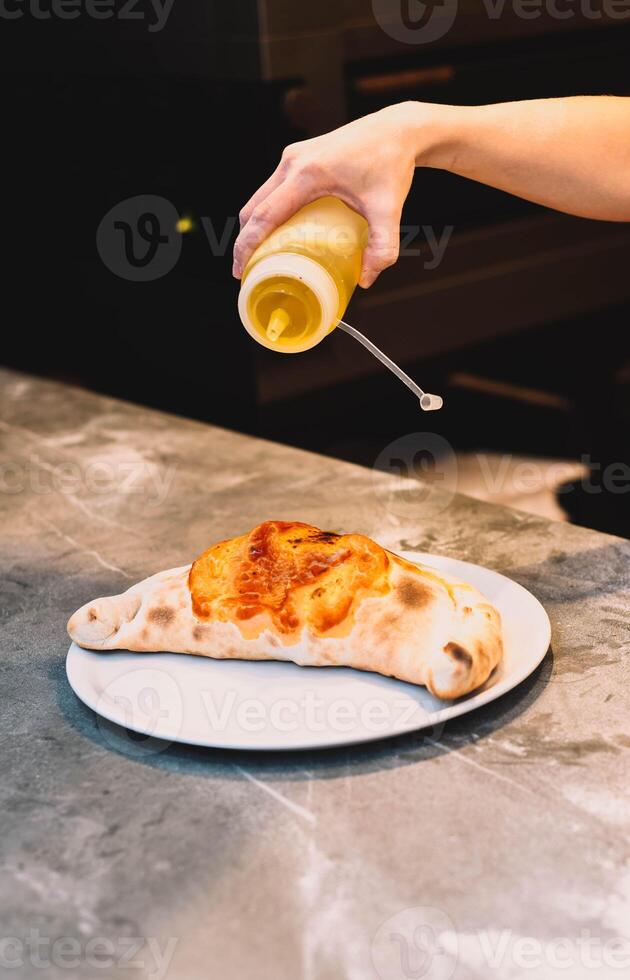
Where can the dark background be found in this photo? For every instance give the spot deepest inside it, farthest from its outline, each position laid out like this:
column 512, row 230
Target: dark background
column 99, row 111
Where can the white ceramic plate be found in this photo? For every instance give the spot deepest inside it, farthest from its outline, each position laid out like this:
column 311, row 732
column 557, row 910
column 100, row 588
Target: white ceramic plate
column 240, row 704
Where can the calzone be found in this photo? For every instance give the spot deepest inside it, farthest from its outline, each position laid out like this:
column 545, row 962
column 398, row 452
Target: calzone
column 288, row 591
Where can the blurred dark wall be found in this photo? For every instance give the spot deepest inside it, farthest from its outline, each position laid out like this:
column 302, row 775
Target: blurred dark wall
column 96, row 112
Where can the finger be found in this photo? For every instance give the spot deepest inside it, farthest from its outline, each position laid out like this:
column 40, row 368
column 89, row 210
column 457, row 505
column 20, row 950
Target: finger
column 263, row 191
column 383, row 247
column 277, row 207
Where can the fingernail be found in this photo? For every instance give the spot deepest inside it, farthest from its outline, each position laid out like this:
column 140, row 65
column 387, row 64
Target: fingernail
column 236, row 271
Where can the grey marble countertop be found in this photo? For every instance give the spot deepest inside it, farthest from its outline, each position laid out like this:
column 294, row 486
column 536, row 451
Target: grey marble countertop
column 499, row 847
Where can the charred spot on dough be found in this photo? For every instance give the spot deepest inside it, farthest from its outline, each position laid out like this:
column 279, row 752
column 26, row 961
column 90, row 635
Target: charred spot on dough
column 197, row 634
column 413, row 594
column 456, row 652
column 161, row 615
column 92, row 616
column 325, row 537
column 467, row 611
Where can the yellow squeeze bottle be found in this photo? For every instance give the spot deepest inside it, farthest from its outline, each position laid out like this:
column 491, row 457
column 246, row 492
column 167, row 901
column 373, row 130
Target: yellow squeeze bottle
column 297, row 284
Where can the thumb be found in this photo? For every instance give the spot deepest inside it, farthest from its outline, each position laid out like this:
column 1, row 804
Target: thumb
column 280, row 205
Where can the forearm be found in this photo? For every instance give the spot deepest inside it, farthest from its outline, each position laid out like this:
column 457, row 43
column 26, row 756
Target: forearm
column 570, row 154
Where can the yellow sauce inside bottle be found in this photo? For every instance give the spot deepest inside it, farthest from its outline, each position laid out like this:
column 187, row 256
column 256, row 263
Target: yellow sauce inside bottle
column 291, row 297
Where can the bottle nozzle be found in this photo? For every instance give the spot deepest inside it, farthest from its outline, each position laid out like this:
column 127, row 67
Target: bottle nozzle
column 278, row 323
column 428, row 403
column 431, row 403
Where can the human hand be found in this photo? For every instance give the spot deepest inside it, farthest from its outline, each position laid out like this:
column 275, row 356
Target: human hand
column 368, row 164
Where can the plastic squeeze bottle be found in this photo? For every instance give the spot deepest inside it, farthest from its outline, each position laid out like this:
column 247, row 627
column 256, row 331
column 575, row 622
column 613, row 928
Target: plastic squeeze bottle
column 299, row 281
column 297, row 284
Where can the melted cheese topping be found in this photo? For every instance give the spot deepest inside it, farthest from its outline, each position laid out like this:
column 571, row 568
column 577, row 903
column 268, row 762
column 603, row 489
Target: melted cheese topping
column 288, row 575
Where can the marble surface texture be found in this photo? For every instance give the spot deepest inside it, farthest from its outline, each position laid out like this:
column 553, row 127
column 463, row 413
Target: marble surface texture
column 496, row 847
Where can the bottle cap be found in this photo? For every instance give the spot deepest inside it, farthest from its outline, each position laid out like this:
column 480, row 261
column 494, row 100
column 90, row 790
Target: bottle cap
column 261, row 309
